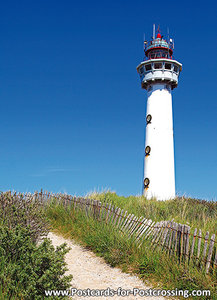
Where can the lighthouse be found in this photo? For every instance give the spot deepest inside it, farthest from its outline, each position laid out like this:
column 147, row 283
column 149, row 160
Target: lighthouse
column 159, row 74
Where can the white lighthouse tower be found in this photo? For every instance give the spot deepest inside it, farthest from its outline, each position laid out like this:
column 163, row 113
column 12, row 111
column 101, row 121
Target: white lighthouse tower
column 159, row 74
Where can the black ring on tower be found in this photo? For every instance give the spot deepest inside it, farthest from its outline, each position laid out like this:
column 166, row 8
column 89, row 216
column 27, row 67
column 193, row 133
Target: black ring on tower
column 147, row 150
column 148, row 119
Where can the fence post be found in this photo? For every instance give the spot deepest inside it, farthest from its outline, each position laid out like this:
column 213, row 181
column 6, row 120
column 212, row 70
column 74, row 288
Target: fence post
column 120, row 218
column 186, row 245
column 179, row 243
column 193, row 244
column 87, row 207
column 117, row 215
column 160, row 233
column 114, row 214
column 169, row 236
column 130, row 217
column 111, row 214
column 211, row 246
column 104, row 212
column 74, row 202
column 158, row 228
column 99, row 210
column 176, row 239
column 150, row 230
column 204, row 249
column 198, row 246
column 164, row 235
column 40, row 194
column 215, row 261
column 94, row 209
column 108, row 212
column 123, row 220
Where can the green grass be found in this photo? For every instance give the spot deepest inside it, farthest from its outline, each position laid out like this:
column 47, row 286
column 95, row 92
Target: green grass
column 196, row 213
column 118, row 250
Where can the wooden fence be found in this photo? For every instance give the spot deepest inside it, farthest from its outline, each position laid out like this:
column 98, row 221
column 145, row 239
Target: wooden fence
column 190, row 248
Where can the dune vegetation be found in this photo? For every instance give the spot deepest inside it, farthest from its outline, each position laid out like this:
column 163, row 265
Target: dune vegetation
column 119, row 250
column 29, row 264
column 196, row 213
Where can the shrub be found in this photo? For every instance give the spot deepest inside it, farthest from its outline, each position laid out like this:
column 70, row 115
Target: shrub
column 27, row 269
column 24, row 210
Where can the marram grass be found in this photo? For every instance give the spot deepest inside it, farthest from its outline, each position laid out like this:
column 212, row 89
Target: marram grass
column 196, row 213
column 118, row 250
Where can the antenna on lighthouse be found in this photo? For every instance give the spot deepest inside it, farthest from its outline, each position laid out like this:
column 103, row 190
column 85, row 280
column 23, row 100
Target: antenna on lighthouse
column 153, row 31
column 172, row 42
column 144, row 41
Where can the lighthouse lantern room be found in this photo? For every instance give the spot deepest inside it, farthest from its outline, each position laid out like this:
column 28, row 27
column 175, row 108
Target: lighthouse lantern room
column 159, row 74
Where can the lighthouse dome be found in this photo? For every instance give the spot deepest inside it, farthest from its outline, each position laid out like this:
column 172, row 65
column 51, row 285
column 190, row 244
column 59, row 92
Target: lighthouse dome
column 158, row 48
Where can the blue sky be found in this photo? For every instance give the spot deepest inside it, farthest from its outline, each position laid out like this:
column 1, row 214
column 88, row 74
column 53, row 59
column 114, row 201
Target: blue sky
column 72, row 110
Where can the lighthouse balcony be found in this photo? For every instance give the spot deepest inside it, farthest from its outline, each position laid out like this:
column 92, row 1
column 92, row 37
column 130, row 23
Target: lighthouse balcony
column 157, row 70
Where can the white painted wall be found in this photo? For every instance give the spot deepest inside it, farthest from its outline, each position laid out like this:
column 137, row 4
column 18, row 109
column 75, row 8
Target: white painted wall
column 159, row 165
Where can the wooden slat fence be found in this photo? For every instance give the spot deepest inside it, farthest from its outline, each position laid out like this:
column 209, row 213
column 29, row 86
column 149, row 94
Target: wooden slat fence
column 168, row 236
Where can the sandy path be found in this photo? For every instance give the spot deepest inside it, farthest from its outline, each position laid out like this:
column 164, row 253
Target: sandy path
column 91, row 271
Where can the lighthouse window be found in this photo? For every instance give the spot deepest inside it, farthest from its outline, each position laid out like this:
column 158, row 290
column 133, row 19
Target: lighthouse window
column 167, row 66
column 141, row 70
column 158, row 65
column 146, row 182
column 165, row 54
column 148, row 67
column 176, row 69
column 147, row 150
column 149, row 88
column 148, row 119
